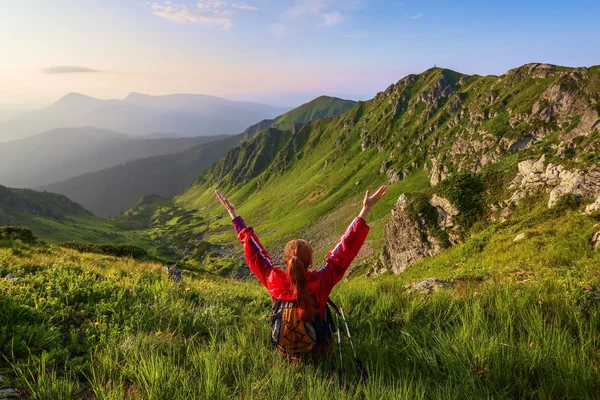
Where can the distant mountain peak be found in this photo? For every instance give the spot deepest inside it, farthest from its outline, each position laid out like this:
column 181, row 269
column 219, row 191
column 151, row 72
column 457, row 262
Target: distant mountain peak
column 135, row 95
column 73, row 97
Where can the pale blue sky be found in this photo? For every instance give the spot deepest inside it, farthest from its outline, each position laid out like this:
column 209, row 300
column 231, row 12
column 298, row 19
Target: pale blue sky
column 267, row 49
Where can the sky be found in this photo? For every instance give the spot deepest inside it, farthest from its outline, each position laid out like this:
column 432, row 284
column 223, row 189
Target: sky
column 275, row 51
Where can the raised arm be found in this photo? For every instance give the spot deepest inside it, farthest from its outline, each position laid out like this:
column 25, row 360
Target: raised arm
column 257, row 258
column 348, row 246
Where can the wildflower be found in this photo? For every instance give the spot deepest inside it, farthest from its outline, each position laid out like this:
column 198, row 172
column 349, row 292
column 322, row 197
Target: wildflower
column 158, row 333
column 588, row 288
column 187, row 289
column 540, row 302
column 96, row 324
column 42, row 299
column 581, row 283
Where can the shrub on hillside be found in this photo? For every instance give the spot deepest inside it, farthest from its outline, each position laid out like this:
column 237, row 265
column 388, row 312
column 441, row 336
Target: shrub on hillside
column 465, row 191
column 25, row 235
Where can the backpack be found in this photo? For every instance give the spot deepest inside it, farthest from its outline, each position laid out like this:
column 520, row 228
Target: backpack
column 292, row 335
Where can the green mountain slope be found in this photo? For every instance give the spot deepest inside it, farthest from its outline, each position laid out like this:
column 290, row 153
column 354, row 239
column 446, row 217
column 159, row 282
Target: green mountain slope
column 309, row 183
column 319, row 108
column 110, row 191
column 56, row 218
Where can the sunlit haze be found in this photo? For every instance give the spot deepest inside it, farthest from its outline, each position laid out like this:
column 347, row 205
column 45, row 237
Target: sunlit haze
column 276, row 52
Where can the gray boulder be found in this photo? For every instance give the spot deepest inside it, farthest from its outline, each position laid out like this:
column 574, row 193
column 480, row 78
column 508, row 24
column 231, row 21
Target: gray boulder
column 406, row 241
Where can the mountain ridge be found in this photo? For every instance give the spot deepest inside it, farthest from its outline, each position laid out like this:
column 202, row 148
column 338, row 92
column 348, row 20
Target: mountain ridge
column 59, row 154
column 144, row 114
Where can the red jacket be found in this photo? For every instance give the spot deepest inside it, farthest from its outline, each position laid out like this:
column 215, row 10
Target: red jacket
column 320, row 282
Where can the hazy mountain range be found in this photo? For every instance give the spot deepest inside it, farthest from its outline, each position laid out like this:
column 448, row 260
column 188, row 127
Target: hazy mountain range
column 141, row 114
column 63, row 153
column 109, row 191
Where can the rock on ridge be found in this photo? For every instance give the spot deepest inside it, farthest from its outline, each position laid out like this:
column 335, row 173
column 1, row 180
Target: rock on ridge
column 446, row 216
column 535, row 175
column 595, row 206
column 408, row 240
column 596, row 238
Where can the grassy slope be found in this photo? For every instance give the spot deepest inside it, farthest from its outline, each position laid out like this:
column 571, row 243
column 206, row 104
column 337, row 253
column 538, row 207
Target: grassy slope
column 520, row 324
column 319, row 108
column 286, row 207
column 56, row 218
column 85, row 229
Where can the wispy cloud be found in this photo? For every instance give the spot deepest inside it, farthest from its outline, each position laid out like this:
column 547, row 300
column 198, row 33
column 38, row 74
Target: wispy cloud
column 244, row 6
column 211, row 13
column 416, row 16
column 332, row 18
column 68, row 69
column 326, row 12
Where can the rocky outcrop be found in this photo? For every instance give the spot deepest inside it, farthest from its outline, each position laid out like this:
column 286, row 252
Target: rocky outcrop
column 595, row 206
column 535, row 175
column 406, row 240
column 438, row 172
column 446, row 217
column 596, row 238
column 562, row 103
column 393, row 175
column 365, row 143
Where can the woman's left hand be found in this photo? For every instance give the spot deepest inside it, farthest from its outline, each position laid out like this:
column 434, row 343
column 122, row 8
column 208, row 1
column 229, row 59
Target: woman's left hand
column 370, row 201
column 227, row 204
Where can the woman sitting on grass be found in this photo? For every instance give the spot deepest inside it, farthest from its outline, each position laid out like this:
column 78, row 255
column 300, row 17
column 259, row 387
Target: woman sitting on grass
column 300, row 293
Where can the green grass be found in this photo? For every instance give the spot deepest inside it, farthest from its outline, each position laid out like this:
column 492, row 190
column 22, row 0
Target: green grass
column 124, row 331
column 86, row 229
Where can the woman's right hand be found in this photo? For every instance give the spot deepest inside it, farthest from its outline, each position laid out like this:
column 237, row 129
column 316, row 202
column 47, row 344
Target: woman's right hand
column 227, row 204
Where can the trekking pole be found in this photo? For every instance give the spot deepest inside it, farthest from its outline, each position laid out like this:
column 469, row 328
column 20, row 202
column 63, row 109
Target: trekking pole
column 348, row 332
column 341, row 373
column 360, row 368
